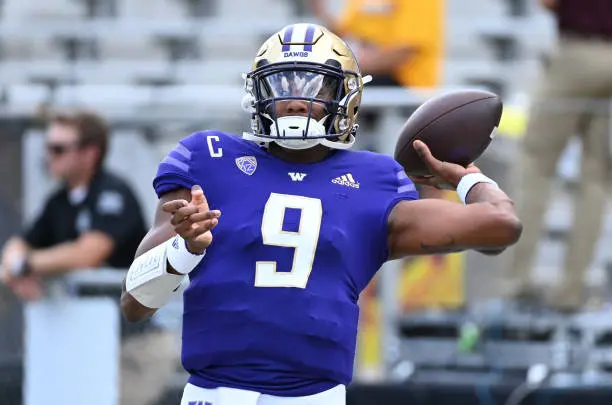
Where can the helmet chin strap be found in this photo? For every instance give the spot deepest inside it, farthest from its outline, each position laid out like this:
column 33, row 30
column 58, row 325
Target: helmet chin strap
column 295, row 126
column 297, row 144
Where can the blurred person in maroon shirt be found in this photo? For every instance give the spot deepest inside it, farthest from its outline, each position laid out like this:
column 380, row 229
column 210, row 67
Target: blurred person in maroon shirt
column 580, row 68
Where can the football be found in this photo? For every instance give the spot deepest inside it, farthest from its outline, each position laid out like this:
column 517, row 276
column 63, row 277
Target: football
column 457, row 127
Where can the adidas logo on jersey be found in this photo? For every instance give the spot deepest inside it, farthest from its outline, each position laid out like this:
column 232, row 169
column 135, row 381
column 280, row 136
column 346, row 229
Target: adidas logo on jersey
column 346, row 180
column 297, row 176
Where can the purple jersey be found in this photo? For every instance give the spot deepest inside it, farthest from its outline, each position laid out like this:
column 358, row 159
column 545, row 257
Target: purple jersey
column 273, row 306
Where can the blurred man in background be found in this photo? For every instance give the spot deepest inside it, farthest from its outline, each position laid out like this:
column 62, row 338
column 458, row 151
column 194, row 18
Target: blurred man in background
column 93, row 220
column 579, row 69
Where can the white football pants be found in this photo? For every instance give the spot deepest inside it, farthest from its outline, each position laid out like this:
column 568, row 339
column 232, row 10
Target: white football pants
column 193, row 395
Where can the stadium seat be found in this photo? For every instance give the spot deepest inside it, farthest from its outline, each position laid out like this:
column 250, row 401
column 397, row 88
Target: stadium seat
column 78, row 47
column 135, row 10
column 132, row 48
column 115, row 72
column 463, row 41
column 213, row 72
column 180, row 46
column 469, row 8
column 277, row 12
column 24, row 49
column 518, row 8
column 199, row 8
column 505, row 47
column 26, row 97
column 20, row 10
column 534, row 34
column 99, row 8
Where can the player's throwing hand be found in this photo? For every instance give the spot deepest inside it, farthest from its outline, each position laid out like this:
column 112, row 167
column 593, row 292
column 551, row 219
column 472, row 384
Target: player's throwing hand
column 193, row 220
column 444, row 175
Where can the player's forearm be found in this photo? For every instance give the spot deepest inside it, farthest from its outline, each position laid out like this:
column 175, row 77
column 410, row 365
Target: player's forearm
column 437, row 226
column 132, row 310
column 173, row 248
column 509, row 229
column 484, row 193
column 150, row 240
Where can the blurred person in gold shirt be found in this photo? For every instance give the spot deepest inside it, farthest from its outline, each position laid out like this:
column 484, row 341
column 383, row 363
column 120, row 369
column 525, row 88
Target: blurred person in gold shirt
column 398, row 42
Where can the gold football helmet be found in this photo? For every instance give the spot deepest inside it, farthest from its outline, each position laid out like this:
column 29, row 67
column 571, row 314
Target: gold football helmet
column 309, row 63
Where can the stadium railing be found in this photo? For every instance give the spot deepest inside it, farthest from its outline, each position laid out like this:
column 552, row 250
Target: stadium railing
column 78, row 337
column 71, row 339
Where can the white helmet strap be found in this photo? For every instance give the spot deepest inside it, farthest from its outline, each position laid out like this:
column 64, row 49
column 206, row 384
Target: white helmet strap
column 295, row 127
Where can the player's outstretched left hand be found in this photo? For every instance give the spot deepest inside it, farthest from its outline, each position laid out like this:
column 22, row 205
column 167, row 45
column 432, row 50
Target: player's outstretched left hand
column 444, row 175
column 193, row 220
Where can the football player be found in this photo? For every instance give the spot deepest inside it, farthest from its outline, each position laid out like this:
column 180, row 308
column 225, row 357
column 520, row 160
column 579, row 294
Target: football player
column 270, row 314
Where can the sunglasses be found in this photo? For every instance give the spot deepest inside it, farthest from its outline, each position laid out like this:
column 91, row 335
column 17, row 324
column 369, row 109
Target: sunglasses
column 58, row 149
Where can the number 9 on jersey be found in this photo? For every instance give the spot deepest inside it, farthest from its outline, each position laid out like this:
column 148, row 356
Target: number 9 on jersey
column 304, row 241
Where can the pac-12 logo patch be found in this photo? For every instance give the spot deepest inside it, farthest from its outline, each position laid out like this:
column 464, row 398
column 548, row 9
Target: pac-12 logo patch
column 247, row 164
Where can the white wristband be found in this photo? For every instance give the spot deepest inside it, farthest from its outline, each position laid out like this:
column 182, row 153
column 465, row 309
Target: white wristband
column 468, row 181
column 181, row 259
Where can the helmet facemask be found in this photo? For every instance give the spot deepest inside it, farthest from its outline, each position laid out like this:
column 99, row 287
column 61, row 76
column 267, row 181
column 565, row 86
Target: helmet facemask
column 322, row 88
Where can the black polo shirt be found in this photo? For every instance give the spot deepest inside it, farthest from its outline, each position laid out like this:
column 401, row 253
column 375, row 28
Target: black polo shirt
column 109, row 206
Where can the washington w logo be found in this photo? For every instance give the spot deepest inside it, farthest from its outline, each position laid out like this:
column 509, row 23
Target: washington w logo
column 297, row 176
